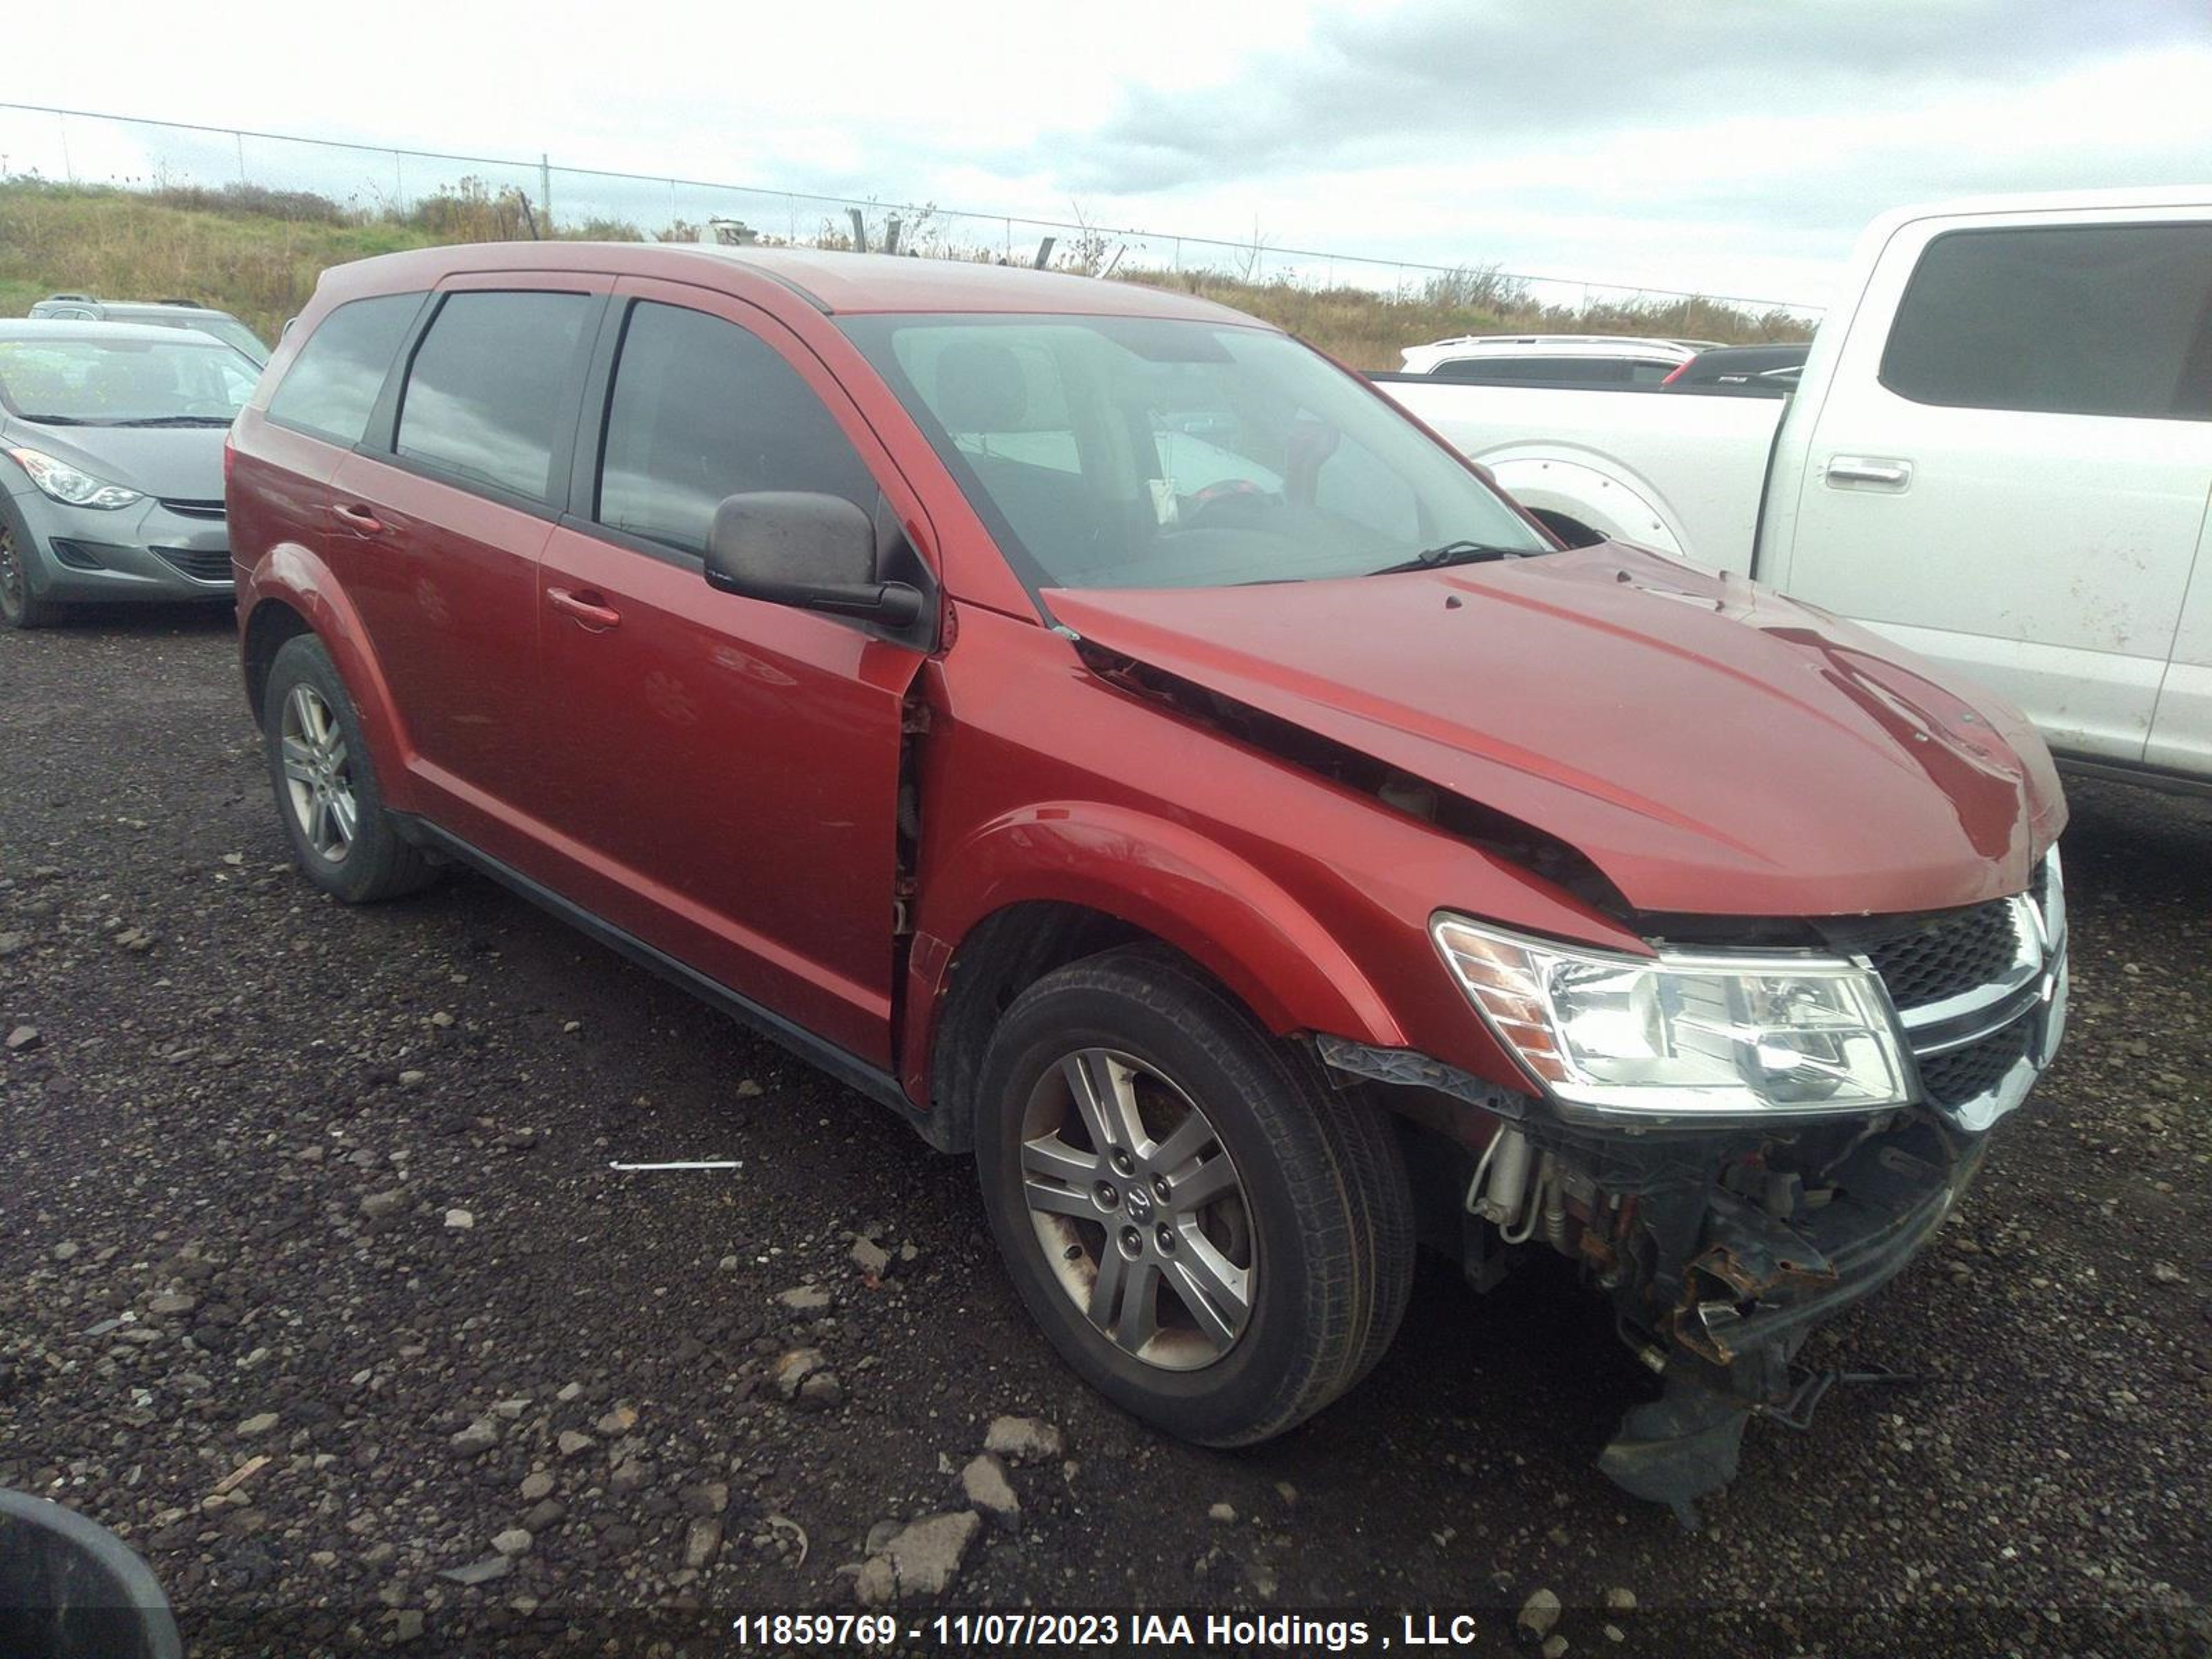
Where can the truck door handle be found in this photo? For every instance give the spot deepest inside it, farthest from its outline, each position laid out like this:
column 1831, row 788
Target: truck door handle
column 1877, row 473
column 589, row 609
column 359, row 519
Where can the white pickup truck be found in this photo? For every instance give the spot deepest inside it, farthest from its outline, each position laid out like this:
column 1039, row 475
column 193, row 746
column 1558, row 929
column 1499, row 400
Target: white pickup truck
column 2000, row 453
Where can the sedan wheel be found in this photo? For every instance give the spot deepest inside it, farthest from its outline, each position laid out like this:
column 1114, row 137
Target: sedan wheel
column 19, row 606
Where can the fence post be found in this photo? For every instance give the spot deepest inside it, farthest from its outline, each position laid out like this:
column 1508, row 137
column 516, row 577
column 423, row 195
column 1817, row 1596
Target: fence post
column 545, row 188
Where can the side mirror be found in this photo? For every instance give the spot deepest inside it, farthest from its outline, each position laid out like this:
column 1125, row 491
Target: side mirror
column 811, row 552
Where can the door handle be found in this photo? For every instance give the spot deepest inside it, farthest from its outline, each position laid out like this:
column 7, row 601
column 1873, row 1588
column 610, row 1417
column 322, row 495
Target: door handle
column 1878, row 473
column 359, row 519
column 590, row 611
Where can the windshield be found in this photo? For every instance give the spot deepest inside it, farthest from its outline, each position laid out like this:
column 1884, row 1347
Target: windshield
column 231, row 332
column 1107, row 451
column 86, row 380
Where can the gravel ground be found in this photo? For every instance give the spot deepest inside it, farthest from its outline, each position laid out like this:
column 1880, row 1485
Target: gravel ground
column 316, row 1285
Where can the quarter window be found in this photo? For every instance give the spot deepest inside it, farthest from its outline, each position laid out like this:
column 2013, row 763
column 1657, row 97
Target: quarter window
column 489, row 386
column 332, row 384
column 2093, row 319
column 701, row 409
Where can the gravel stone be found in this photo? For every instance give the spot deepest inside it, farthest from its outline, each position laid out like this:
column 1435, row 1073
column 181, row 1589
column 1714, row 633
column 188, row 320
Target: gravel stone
column 983, row 1483
column 702, row 1542
column 491, row 1568
column 1022, row 1439
column 919, row 1560
column 480, row 1437
column 871, row 1258
column 1538, row 1615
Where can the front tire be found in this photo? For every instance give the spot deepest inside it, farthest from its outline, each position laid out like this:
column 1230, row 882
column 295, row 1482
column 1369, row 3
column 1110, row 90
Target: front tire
column 327, row 797
column 1210, row 1237
column 19, row 606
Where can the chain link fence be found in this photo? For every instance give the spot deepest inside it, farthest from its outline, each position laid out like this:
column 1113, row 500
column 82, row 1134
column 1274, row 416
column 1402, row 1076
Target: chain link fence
column 544, row 199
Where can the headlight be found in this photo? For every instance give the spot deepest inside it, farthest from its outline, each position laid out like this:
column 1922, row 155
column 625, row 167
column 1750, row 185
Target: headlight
column 1680, row 1034
column 65, row 483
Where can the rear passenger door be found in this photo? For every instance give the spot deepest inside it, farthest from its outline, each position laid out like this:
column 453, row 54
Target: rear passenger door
column 446, row 510
column 724, row 773
column 2014, row 480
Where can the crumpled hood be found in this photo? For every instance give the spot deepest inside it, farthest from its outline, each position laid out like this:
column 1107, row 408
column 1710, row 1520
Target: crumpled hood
column 176, row 463
column 1713, row 747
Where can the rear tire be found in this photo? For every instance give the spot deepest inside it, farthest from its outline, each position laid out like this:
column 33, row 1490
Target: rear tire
column 1252, row 1227
column 19, row 606
column 327, row 797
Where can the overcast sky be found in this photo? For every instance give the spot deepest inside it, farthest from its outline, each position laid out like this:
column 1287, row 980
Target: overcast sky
column 1728, row 146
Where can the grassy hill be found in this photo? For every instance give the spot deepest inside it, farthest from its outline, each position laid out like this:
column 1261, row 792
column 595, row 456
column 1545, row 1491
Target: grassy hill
column 256, row 252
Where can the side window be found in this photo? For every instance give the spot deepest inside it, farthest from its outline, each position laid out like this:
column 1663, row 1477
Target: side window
column 701, row 409
column 333, row 383
column 485, row 395
column 2090, row 320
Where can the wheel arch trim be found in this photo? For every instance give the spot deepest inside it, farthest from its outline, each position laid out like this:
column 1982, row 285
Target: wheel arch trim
column 293, row 577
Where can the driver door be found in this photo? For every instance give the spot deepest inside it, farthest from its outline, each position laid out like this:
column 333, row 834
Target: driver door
column 721, row 775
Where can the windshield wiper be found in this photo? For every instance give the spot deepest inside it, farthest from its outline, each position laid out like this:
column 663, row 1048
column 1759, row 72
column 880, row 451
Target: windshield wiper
column 60, row 420
column 178, row 420
column 1445, row 553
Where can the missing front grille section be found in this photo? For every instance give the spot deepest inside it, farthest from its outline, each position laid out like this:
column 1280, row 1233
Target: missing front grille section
column 1494, row 832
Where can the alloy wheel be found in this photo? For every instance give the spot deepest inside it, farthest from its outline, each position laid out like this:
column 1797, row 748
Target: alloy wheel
column 318, row 774
column 1138, row 1209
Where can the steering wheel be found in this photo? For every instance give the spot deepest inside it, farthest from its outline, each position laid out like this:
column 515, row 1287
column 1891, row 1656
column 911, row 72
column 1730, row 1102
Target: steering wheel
column 1230, row 498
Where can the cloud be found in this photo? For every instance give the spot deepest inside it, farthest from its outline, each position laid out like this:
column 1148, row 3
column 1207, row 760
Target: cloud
column 1368, row 89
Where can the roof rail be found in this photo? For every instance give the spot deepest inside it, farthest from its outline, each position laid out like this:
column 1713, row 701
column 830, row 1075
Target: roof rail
column 86, row 298
column 174, row 301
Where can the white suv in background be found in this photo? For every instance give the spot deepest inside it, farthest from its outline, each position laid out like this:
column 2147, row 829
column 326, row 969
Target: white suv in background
column 1572, row 359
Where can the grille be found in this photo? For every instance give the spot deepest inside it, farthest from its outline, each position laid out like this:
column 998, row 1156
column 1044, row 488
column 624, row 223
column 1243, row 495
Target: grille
column 1946, row 956
column 201, row 564
column 1960, row 1076
column 194, row 509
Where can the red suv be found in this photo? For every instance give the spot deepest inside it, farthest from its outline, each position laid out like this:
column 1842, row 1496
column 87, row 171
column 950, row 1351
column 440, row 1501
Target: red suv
column 1109, row 734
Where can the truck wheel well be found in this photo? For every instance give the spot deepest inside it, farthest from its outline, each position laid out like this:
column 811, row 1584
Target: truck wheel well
column 1002, row 956
column 272, row 624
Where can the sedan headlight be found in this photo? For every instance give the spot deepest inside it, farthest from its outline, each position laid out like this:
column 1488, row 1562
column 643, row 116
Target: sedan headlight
column 66, row 483
column 1680, row 1034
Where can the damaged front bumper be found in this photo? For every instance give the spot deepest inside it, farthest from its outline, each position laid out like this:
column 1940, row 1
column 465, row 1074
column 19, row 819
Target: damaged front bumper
column 1722, row 1249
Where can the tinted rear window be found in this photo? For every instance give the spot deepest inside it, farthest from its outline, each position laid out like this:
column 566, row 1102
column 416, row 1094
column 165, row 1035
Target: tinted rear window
column 2093, row 319
column 488, row 392
column 333, row 383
